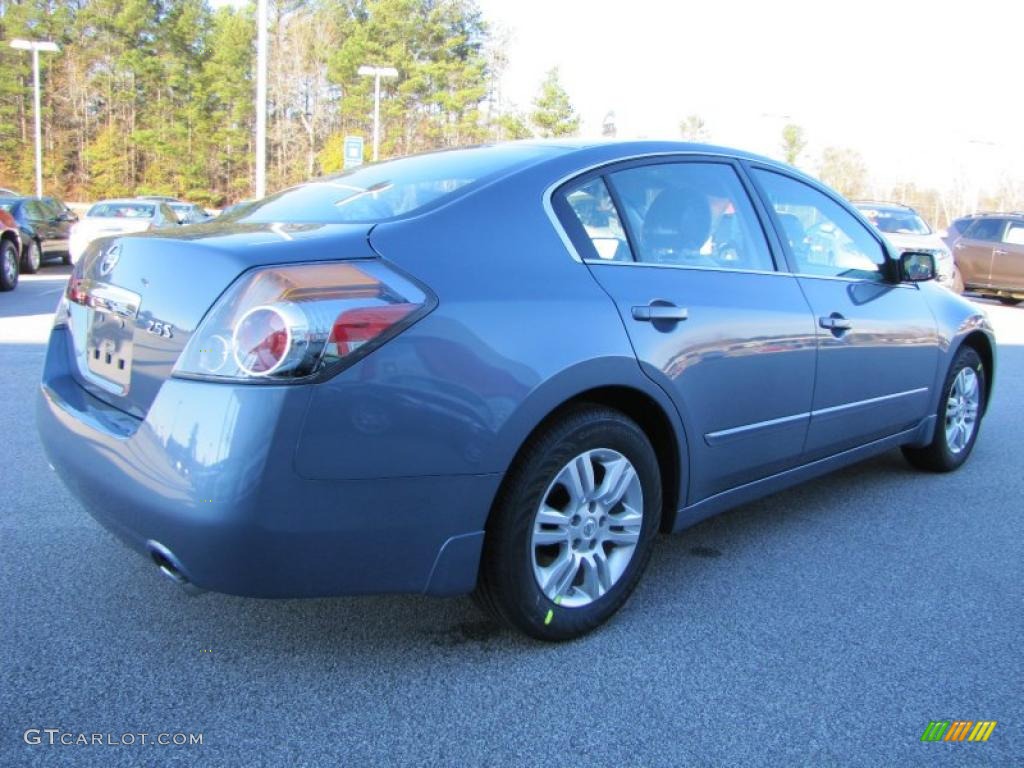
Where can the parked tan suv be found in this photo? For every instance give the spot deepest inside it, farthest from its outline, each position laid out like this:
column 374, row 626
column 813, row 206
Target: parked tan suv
column 990, row 256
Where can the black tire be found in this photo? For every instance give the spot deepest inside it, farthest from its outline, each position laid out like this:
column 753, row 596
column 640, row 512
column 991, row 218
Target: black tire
column 66, row 259
column 507, row 587
column 31, row 258
column 1009, row 301
column 937, row 456
column 8, row 265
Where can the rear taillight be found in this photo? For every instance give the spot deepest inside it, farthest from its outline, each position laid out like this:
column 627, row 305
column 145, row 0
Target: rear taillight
column 291, row 323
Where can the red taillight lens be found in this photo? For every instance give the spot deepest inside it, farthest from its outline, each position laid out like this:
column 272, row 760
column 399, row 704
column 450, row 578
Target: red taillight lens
column 262, row 341
column 355, row 327
column 292, row 322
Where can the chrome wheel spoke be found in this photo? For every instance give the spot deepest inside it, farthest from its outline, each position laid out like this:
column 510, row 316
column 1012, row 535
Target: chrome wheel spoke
column 579, row 476
column 547, row 536
column 561, row 575
column 551, row 516
column 617, row 479
column 596, row 576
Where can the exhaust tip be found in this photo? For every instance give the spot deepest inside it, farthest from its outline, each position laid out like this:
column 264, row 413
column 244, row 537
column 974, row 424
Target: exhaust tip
column 170, row 567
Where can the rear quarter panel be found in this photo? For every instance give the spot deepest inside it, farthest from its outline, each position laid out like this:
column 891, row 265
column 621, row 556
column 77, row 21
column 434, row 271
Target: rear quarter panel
column 520, row 328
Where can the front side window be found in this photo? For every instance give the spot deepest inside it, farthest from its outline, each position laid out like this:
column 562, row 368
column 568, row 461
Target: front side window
column 825, row 239
column 692, row 214
column 988, row 230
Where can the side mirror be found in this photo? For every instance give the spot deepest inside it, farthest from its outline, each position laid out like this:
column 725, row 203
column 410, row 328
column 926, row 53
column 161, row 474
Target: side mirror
column 917, row 266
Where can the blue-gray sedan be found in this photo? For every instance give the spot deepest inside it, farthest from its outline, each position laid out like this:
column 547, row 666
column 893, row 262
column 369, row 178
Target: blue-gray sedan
column 501, row 370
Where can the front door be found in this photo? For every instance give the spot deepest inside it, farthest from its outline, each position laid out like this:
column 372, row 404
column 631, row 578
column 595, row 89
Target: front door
column 878, row 345
column 680, row 249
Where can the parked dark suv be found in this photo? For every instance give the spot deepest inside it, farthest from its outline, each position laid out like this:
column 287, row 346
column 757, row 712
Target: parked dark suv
column 990, row 256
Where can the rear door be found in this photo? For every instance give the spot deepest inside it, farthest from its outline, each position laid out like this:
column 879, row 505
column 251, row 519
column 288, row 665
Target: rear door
column 680, row 247
column 974, row 251
column 1008, row 259
column 878, row 345
column 39, row 217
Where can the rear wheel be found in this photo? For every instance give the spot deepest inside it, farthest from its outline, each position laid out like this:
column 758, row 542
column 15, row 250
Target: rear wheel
column 66, row 258
column 959, row 416
column 1008, row 301
column 8, row 265
column 30, row 258
column 573, row 527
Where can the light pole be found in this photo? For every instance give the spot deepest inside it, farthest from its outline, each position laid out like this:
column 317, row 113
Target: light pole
column 36, row 47
column 377, row 73
column 261, row 99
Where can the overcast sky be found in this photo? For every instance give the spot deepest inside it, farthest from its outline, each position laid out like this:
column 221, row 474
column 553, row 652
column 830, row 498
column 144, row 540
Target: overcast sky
column 915, row 86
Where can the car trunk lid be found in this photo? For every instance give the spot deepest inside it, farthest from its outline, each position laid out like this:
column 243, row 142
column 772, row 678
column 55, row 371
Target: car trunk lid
column 135, row 301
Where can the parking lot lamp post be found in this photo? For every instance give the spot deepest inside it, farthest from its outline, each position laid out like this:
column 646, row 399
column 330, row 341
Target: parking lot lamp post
column 36, row 47
column 377, row 73
column 261, row 99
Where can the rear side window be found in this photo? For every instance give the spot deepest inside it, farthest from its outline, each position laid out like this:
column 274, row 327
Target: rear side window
column 593, row 207
column 122, row 211
column 825, row 239
column 989, row 230
column 1014, row 233
column 692, row 214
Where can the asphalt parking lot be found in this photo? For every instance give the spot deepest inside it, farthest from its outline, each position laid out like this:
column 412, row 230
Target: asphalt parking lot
column 826, row 625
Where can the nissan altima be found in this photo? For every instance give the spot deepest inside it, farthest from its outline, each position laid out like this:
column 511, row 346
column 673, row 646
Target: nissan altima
column 501, row 371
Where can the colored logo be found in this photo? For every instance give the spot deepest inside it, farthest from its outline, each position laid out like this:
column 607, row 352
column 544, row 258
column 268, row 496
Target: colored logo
column 958, row 730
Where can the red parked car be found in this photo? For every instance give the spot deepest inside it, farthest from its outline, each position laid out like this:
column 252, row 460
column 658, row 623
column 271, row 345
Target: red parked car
column 10, row 252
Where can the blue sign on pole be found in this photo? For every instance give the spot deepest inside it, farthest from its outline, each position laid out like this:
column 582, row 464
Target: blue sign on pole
column 353, row 151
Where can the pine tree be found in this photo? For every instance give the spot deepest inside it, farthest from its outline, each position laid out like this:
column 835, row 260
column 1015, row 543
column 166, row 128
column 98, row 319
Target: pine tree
column 553, row 113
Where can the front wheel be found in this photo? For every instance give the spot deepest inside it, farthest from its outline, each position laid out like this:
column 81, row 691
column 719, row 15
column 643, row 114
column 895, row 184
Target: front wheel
column 959, row 416
column 31, row 258
column 8, row 265
column 573, row 527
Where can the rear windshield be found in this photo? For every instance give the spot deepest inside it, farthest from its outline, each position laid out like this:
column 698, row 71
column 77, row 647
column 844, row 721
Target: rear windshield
column 897, row 222
column 391, row 189
column 122, row 211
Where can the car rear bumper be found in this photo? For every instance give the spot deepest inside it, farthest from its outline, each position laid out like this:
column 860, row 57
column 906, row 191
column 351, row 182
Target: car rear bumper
column 208, row 476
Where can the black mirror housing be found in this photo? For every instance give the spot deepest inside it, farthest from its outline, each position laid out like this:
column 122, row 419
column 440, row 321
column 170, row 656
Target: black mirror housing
column 917, row 266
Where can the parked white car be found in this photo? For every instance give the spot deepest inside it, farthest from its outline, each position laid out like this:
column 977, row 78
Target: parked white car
column 907, row 230
column 117, row 217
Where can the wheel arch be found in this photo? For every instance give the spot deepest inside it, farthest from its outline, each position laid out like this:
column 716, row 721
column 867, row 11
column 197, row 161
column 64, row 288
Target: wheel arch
column 980, row 343
column 643, row 402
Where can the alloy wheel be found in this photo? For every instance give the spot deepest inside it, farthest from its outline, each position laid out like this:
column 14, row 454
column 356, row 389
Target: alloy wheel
column 962, row 410
column 587, row 527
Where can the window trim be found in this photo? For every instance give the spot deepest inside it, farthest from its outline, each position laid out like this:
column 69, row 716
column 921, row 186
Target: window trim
column 556, row 207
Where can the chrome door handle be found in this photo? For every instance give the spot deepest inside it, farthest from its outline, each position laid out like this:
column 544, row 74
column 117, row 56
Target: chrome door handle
column 660, row 312
column 999, row 252
column 959, row 246
column 835, row 323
